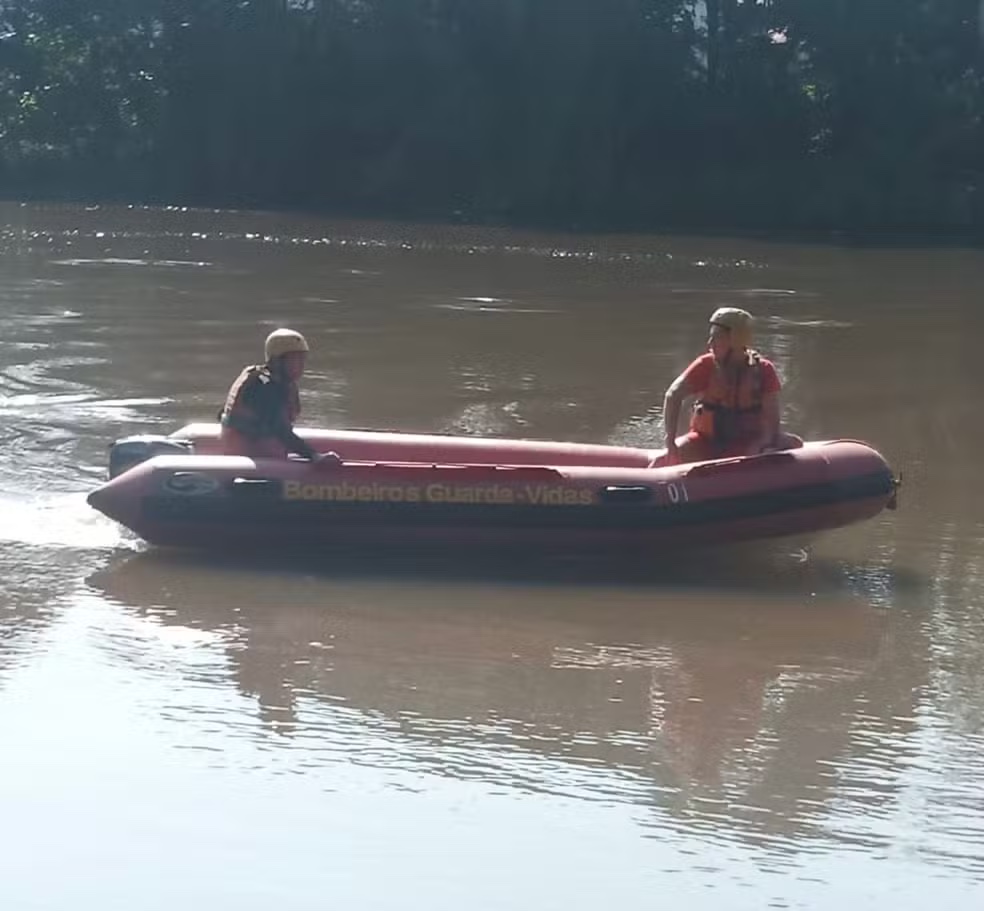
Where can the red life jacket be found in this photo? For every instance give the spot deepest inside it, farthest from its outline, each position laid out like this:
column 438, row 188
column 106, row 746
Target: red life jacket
column 239, row 414
column 730, row 408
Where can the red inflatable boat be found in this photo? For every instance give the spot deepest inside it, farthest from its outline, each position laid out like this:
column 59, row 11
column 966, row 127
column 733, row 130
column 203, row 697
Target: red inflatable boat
column 410, row 490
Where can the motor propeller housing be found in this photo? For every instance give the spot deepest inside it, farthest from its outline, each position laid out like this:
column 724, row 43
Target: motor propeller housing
column 132, row 450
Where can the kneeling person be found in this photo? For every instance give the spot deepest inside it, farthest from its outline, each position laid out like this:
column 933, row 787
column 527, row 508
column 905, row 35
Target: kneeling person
column 264, row 402
column 737, row 392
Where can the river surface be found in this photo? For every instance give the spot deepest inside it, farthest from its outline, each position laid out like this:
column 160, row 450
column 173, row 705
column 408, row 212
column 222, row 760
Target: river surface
column 770, row 728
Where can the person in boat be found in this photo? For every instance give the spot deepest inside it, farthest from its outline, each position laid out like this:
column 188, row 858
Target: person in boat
column 263, row 403
column 736, row 412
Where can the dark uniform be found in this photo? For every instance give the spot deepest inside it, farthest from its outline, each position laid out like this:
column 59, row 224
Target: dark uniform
column 258, row 416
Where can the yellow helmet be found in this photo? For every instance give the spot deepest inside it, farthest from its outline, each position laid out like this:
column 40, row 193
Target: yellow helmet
column 284, row 341
column 739, row 322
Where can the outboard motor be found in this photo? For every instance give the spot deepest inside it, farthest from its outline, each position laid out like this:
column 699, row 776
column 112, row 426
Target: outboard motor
column 130, row 451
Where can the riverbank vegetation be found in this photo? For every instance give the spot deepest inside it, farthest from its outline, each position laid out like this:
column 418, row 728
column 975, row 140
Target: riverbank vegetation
column 789, row 114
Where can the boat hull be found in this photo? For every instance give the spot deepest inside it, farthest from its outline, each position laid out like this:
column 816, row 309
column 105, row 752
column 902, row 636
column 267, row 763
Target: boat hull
column 420, row 491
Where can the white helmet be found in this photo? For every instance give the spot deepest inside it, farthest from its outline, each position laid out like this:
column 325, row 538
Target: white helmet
column 284, row 341
column 738, row 322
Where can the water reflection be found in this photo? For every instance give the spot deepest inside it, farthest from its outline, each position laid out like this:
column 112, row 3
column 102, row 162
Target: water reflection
column 828, row 708
column 749, row 712
column 35, row 582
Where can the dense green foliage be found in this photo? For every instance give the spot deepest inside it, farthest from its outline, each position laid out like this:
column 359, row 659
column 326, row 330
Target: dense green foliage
column 632, row 113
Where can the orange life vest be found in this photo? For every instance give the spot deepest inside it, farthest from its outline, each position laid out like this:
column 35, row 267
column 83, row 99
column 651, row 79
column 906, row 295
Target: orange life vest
column 238, row 414
column 730, row 408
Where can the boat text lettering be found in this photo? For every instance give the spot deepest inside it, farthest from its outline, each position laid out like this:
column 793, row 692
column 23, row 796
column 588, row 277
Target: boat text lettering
column 675, row 492
column 491, row 494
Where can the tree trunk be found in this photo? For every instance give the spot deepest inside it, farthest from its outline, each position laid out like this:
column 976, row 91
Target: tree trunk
column 713, row 8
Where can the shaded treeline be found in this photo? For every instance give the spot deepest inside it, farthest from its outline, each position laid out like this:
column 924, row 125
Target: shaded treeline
column 635, row 113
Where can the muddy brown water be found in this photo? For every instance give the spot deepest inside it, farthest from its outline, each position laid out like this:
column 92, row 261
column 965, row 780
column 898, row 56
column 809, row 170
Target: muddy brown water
column 767, row 727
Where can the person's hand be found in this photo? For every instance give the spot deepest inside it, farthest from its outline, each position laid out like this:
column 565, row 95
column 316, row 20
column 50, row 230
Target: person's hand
column 326, row 461
column 670, row 457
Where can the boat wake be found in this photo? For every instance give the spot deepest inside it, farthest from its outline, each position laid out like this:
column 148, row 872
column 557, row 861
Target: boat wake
column 60, row 521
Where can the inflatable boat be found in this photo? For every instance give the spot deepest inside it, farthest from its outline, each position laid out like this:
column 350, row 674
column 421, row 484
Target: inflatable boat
column 422, row 490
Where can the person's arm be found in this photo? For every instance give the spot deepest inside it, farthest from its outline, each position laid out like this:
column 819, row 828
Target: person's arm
column 770, row 422
column 672, row 405
column 687, row 384
column 293, row 443
column 265, row 399
column 771, row 409
column 322, row 459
